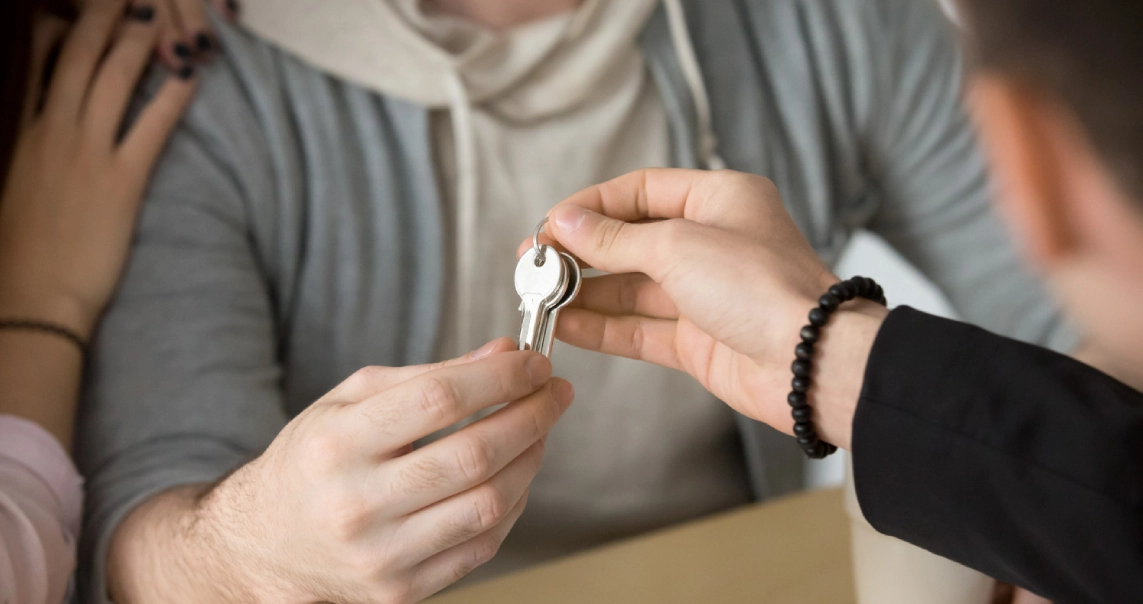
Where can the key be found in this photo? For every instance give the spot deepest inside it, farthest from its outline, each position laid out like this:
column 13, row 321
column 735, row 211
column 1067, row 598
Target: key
column 575, row 278
column 539, row 284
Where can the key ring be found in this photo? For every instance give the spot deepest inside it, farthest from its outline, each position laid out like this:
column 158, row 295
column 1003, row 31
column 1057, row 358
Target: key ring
column 539, row 249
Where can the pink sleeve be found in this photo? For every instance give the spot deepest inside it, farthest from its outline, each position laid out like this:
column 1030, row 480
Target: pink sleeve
column 41, row 499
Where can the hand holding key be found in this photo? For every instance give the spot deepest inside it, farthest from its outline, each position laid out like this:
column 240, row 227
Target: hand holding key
column 718, row 285
column 341, row 509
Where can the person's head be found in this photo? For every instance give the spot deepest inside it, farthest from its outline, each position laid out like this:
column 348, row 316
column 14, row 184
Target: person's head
column 1059, row 97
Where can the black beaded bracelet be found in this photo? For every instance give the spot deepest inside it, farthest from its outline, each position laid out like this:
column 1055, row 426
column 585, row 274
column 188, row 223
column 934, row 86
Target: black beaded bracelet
column 47, row 328
column 838, row 294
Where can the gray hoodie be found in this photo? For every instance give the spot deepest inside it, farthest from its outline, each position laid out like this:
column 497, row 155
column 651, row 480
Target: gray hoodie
column 295, row 231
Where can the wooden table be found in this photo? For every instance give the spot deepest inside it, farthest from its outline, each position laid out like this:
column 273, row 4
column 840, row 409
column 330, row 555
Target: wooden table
column 791, row 551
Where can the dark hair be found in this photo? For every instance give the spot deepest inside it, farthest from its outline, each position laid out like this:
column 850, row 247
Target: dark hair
column 1088, row 54
column 15, row 55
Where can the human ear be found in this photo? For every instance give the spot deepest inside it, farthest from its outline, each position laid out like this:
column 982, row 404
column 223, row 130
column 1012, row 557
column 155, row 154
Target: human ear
column 1024, row 138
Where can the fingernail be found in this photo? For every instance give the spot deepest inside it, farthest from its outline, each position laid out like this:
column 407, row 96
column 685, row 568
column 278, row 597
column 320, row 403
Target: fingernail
column 204, row 42
column 569, row 218
column 485, row 350
column 186, row 72
column 539, row 370
column 563, row 392
column 142, row 14
column 182, row 51
column 233, row 7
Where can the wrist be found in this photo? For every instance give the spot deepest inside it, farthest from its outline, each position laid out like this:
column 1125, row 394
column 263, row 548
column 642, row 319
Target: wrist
column 228, row 521
column 842, row 354
column 61, row 310
column 174, row 548
column 221, row 525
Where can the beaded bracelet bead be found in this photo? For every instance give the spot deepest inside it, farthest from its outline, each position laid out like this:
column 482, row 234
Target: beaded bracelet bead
column 838, row 294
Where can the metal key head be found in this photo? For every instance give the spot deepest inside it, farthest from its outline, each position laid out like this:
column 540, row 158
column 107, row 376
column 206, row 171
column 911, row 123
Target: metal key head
column 541, row 280
column 541, row 275
column 575, row 279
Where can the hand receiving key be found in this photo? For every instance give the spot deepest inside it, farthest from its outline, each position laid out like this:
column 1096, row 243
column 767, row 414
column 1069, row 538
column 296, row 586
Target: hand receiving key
column 546, row 280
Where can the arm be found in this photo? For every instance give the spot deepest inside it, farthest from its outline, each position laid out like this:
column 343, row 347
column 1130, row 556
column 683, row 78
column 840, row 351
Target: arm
column 330, row 507
column 1014, row 460
column 1010, row 458
column 69, row 201
column 40, row 499
column 183, row 381
column 936, row 210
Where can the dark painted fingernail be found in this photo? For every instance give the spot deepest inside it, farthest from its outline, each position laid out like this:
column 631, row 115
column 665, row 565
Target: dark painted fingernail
column 233, row 7
column 204, row 42
column 143, row 14
column 186, row 72
column 182, row 51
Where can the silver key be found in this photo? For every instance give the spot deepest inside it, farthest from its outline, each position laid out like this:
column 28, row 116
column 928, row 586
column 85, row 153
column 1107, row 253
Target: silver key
column 540, row 284
column 575, row 278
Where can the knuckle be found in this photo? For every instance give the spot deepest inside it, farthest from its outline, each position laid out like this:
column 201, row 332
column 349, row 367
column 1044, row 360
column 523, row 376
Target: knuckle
column 106, row 8
column 627, row 295
column 537, row 455
column 422, row 475
column 674, row 233
column 346, row 517
column 474, row 459
column 367, row 378
column 635, row 338
column 325, row 451
column 609, row 235
column 438, row 400
column 484, row 550
column 540, row 419
column 480, row 553
column 399, row 591
column 489, row 508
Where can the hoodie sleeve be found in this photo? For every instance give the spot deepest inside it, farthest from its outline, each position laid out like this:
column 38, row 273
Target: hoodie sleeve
column 183, row 378
column 40, row 499
column 923, row 155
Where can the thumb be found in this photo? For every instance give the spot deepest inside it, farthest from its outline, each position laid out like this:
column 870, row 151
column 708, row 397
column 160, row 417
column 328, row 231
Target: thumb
column 610, row 245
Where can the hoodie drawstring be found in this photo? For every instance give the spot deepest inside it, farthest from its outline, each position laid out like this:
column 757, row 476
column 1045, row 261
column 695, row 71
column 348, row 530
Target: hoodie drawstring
column 467, row 197
column 692, row 73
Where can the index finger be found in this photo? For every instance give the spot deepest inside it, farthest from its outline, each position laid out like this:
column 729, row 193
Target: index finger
column 732, row 200
column 370, row 380
column 438, row 399
column 82, row 52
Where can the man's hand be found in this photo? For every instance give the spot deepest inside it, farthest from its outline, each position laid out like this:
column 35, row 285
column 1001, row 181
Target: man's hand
column 341, row 509
column 718, row 285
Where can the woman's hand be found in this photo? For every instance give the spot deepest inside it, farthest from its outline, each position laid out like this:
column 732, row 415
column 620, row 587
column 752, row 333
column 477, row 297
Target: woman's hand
column 73, row 189
column 718, row 286
column 185, row 35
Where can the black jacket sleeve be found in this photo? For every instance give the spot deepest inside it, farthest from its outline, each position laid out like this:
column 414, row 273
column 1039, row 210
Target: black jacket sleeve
column 1008, row 458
